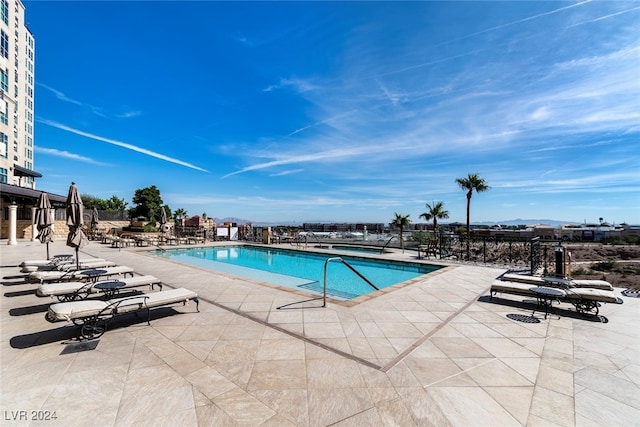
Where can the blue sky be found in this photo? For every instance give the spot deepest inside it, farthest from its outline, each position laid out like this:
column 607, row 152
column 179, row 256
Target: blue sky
column 343, row 111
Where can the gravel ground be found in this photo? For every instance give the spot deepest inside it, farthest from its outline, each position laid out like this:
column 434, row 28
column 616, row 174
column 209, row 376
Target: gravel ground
column 619, row 265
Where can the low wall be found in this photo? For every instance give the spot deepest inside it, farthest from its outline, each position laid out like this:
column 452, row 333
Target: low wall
column 24, row 229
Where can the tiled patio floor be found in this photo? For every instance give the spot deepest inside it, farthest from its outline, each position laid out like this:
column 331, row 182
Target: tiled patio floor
column 436, row 352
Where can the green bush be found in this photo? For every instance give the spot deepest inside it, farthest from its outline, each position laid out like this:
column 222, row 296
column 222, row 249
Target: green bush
column 150, row 228
column 605, row 266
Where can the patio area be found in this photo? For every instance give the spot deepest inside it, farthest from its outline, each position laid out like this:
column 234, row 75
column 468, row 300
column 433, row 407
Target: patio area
column 437, row 352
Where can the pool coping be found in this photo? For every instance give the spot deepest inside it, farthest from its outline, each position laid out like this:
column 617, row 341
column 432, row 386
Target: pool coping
column 442, row 268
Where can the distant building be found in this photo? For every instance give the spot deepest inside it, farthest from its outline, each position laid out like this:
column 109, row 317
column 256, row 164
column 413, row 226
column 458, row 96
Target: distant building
column 17, row 66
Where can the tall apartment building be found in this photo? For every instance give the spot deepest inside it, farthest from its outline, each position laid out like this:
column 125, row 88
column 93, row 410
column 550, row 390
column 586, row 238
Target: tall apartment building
column 17, row 66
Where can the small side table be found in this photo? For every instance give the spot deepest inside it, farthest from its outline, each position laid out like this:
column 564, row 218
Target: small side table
column 110, row 289
column 93, row 274
column 546, row 296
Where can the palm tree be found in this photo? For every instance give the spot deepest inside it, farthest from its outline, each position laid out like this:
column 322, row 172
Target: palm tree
column 180, row 213
column 435, row 211
column 401, row 221
column 470, row 183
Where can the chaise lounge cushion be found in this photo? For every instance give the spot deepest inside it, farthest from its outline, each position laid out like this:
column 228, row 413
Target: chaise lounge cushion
column 43, row 276
column 512, row 287
column 156, row 299
column 553, row 281
column 60, row 288
column 600, row 295
column 65, row 288
column 76, row 309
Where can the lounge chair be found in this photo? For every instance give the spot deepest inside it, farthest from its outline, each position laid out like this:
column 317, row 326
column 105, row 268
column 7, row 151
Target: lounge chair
column 72, row 291
column 94, row 315
column 585, row 300
column 55, row 260
column 68, row 265
column 557, row 282
column 54, row 276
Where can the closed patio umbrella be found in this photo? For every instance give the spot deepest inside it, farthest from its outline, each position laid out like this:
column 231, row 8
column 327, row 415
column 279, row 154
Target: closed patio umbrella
column 43, row 221
column 94, row 219
column 76, row 238
column 163, row 222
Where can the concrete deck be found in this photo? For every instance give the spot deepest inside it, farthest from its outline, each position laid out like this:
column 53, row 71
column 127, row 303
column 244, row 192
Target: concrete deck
column 434, row 353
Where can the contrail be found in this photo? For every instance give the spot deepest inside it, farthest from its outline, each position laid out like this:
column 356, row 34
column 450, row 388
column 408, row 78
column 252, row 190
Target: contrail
column 121, row 144
column 508, row 24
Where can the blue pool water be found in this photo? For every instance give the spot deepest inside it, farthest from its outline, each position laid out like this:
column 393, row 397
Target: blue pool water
column 301, row 270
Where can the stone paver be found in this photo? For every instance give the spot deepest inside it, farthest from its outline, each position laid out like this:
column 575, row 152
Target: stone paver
column 433, row 352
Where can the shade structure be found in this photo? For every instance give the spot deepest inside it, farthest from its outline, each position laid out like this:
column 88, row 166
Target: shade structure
column 75, row 209
column 94, row 219
column 43, row 221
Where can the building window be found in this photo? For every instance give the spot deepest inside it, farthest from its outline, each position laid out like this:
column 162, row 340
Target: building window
column 4, row 176
column 4, row 110
column 4, row 80
column 4, row 145
column 4, row 11
column 4, row 44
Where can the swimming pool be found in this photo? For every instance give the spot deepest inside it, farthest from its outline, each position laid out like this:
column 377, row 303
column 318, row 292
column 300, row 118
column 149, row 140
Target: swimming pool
column 301, row 270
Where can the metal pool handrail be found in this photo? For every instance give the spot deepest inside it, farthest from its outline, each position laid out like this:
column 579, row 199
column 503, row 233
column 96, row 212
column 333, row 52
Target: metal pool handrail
column 385, row 245
column 350, row 267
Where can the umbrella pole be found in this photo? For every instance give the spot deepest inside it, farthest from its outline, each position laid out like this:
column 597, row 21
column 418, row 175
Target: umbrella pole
column 77, row 259
column 48, row 251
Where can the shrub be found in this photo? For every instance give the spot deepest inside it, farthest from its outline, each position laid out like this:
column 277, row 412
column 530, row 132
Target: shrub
column 605, row 266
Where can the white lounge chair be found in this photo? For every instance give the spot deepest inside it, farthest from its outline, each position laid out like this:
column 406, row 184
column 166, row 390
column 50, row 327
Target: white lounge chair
column 585, row 300
column 68, row 265
column 94, row 315
column 55, row 260
column 54, row 276
column 73, row 291
column 554, row 281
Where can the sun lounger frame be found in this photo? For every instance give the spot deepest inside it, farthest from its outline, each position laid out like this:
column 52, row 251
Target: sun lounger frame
column 95, row 325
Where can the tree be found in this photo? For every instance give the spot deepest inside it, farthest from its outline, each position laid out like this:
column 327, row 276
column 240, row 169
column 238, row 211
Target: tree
column 435, row 212
column 148, row 203
column 180, row 213
column 401, row 221
column 91, row 202
column 113, row 204
column 116, row 204
column 470, row 183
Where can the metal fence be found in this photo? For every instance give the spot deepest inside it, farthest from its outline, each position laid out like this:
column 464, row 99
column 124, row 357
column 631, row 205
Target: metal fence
column 103, row 215
column 531, row 254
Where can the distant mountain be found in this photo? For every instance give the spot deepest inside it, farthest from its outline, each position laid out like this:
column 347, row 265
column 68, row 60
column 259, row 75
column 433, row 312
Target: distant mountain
column 241, row 221
column 231, row 219
column 519, row 221
column 527, row 222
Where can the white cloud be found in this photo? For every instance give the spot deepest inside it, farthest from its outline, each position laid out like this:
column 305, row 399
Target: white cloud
column 98, row 111
column 121, row 144
column 298, row 85
column 67, row 155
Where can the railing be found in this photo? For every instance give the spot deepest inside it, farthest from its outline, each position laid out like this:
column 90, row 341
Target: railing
column 385, row 245
column 311, row 234
column 350, row 267
column 524, row 253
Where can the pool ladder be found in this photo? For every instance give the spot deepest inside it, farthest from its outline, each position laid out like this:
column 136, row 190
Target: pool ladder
column 350, row 267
